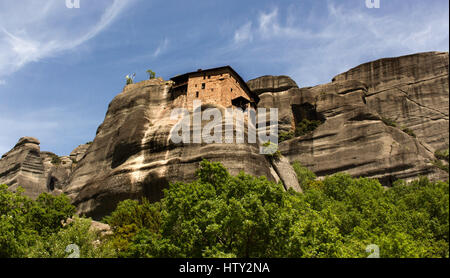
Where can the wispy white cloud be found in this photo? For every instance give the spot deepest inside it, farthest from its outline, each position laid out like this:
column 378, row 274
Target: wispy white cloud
column 244, row 33
column 162, row 47
column 35, row 31
column 313, row 50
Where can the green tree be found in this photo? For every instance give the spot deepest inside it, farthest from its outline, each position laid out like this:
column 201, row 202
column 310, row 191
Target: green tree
column 151, row 74
column 77, row 232
column 304, row 175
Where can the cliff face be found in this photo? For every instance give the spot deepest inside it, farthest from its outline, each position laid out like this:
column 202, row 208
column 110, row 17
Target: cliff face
column 352, row 137
column 132, row 155
column 411, row 90
column 35, row 171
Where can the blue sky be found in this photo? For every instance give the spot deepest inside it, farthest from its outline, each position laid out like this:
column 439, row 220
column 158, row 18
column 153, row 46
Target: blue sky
column 60, row 67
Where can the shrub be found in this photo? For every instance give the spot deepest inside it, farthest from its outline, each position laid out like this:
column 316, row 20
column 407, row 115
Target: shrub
column 442, row 154
column 440, row 165
column 151, row 74
column 56, row 160
column 409, row 132
column 306, row 126
column 283, row 136
column 129, row 218
column 273, row 152
column 304, row 175
column 78, row 233
column 389, row 122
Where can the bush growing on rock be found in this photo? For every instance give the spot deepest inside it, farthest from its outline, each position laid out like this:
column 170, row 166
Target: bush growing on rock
column 306, row 126
column 389, row 122
column 442, row 154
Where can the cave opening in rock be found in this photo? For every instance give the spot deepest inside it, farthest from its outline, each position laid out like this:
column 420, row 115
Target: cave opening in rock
column 51, row 184
column 306, row 118
column 306, row 111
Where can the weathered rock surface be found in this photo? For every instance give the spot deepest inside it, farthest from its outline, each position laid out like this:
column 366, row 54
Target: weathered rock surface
column 78, row 153
column 23, row 166
column 353, row 138
column 35, row 171
column 269, row 83
column 286, row 173
column 412, row 90
column 132, row 156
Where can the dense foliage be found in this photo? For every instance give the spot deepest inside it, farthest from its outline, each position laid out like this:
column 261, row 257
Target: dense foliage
column 34, row 228
column 220, row 215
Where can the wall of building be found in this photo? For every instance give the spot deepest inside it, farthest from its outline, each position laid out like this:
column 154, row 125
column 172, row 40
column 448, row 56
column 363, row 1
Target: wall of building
column 220, row 87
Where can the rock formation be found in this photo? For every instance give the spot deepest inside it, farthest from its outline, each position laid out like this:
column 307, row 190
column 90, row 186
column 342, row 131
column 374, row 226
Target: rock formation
column 78, row 153
column 35, row 171
column 412, row 90
column 132, row 156
column 383, row 119
column 352, row 138
column 23, row 166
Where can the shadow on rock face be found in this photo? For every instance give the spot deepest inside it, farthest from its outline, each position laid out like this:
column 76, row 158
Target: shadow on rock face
column 306, row 111
column 123, row 151
column 153, row 186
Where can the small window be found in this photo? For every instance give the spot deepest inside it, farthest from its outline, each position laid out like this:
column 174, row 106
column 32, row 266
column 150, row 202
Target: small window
column 212, row 89
column 195, row 85
column 209, row 76
column 196, row 94
column 231, row 89
column 203, row 85
column 204, row 76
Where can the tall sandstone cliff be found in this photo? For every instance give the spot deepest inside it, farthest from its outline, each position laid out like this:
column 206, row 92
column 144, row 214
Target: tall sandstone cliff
column 132, row 155
column 411, row 91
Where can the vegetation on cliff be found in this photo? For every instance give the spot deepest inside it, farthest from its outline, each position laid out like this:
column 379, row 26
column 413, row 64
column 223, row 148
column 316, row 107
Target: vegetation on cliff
column 220, row 215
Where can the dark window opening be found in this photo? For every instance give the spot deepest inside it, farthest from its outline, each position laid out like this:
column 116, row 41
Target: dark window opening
column 231, row 89
column 196, row 94
column 209, row 76
column 203, row 85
